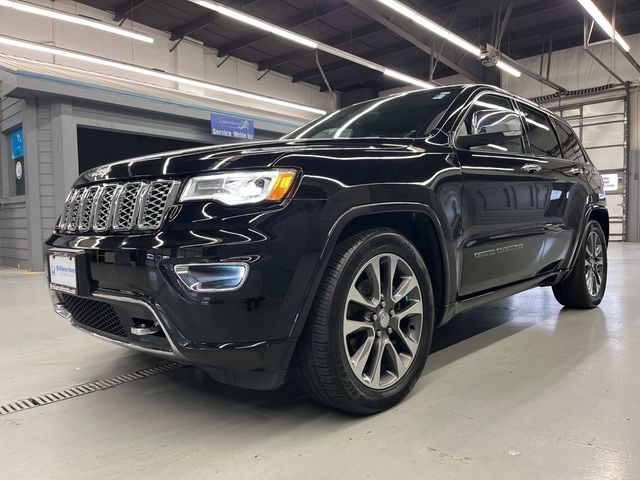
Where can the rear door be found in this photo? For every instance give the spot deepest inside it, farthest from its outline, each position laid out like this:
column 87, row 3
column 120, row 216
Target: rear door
column 505, row 194
column 542, row 143
column 569, row 196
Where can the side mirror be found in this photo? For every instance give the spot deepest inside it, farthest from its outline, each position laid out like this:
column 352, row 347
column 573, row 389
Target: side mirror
column 491, row 126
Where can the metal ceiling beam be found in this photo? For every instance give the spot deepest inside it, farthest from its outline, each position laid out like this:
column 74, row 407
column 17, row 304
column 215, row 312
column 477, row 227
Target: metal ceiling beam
column 503, row 25
column 524, row 70
column 292, row 23
column 193, row 26
column 370, row 79
column 335, row 41
column 474, row 71
column 335, row 66
column 616, row 45
column 518, row 14
column 588, row 30
column 557, row 28
column 126, row 8
column 205, row 21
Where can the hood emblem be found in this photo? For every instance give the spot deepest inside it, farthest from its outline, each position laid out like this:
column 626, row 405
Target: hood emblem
column 100, row 172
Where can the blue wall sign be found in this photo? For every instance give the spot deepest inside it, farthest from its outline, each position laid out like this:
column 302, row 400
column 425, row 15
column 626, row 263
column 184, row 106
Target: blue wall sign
column 234, row 127
column 17, row 144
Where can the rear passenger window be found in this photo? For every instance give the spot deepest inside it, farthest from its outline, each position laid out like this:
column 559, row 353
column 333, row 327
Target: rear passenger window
column 541, row 137
column 569, row 142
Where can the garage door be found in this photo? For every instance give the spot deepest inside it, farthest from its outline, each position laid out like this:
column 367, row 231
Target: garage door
column 601, row 125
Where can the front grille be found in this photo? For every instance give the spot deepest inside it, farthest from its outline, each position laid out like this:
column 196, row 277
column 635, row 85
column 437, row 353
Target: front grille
column 126, row 206
column 94, row 314
column 118, row 207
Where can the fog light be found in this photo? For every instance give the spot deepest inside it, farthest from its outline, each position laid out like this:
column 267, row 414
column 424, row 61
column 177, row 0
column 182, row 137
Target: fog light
column 212, row 277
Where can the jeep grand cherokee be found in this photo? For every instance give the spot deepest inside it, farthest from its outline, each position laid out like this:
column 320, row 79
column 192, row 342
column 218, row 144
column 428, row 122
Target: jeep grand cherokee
column 330, row 255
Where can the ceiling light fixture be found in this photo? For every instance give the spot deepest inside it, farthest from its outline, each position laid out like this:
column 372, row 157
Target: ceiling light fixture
column 154, row 73
column 406, row 78
column 430, row 25
column 604, row 24
column 289, row 35
column 65, row 17
column 257, row 23
column 502, row 65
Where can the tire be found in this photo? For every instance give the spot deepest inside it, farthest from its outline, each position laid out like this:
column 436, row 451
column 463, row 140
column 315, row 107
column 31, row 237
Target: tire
column 576, row 291
column 324, row 362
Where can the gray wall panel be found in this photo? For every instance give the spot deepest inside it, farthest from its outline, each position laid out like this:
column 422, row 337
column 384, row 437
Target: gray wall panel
column 14, row 248
column 10, row 108
column 13, row 234
column 45, row 162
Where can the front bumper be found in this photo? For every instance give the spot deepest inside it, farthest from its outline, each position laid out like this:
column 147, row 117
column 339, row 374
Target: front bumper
column 261, row 365
column 241, row 337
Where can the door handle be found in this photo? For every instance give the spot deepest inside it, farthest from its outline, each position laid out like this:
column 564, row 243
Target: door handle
column 575, row 171
column 531, row 168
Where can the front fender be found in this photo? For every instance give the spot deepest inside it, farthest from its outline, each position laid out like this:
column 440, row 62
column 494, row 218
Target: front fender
column 327, row 244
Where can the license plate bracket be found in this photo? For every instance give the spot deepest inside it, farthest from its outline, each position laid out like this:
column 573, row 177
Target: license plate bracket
column 67, row 271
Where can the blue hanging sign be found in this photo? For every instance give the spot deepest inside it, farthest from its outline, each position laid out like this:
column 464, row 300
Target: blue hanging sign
column 234, row 127
column 17, row 144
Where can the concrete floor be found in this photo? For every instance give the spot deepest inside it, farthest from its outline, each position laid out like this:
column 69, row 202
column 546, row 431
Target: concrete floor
column 519, row 389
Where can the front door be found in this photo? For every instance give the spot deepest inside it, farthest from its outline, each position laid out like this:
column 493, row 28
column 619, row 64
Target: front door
column 505, row 195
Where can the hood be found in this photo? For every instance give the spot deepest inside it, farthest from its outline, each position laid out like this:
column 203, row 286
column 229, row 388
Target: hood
column 233, row 156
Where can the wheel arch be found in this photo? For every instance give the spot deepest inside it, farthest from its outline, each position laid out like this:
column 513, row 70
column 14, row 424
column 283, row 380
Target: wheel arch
column 596, row 212
column 601, row 215
column 418, row 222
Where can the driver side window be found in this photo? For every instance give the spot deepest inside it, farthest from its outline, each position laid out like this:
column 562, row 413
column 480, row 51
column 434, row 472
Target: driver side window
column 487, row 103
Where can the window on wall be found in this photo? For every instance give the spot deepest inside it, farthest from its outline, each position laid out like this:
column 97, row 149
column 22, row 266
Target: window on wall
column 542, row 139
column 97, row 147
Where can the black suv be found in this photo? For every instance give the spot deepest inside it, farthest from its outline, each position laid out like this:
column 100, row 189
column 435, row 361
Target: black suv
column 331, row 254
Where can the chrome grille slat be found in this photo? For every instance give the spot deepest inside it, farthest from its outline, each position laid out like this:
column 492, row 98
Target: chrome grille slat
column 87, row 209
column 118, row 207
column 154, row 204
column 74, row 211
column 126, row 206
column 64, row 218
column 104, row 207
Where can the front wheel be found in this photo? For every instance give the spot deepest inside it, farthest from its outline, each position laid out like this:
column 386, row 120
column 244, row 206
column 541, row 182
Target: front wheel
column 367, row 338
column 585, row 285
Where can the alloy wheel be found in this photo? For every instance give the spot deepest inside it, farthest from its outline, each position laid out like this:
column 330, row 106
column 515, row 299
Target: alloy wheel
column 383, row 321
column 594, row 263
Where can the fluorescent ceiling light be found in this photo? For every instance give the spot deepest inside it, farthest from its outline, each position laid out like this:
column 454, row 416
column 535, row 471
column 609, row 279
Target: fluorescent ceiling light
column 604, row 24
column 424, row 22
column 431, row 26
column 406, row 78
column 308, row 42
column 65, row 17
column 508, row 68
column 154, row 73
column 255, row 22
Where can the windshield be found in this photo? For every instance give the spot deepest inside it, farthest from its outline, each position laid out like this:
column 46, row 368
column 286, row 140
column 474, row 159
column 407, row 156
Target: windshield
column 396, row 116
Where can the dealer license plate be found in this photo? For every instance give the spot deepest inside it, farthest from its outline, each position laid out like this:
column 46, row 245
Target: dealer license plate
column 63, row 272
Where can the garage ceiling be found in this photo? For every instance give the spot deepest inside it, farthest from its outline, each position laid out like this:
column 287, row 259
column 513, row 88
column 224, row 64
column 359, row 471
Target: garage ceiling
column 357, row 27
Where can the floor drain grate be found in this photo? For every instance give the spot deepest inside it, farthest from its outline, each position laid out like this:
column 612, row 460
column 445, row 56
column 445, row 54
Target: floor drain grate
column 85, row 388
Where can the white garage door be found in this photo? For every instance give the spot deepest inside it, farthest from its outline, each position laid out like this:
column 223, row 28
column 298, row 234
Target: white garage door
column 602, row 127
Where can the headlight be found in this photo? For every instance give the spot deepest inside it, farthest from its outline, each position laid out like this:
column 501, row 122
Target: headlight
column 239, row 188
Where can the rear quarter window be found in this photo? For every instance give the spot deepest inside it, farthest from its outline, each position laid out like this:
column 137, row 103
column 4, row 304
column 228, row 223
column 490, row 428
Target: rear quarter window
column 569, row 143
column 541, row 137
